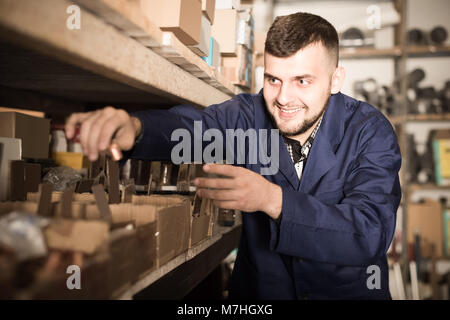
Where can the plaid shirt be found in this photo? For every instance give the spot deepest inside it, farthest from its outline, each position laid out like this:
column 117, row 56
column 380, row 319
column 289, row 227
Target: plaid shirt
column 299, row 153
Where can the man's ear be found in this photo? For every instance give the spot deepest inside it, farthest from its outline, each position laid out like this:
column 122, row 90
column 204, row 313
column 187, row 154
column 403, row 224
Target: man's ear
column 337, row 80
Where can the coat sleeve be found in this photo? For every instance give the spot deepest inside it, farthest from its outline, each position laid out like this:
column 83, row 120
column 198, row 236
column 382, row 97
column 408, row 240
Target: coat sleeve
column 155, row 142
column 357, row 230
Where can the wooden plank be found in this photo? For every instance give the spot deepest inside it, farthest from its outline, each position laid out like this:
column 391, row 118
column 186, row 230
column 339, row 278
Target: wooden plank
column 99, row 48
column 363, row 53
column 127, row 16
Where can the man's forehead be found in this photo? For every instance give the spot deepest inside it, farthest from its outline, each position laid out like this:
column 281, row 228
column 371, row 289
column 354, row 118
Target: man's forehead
column 313, row 59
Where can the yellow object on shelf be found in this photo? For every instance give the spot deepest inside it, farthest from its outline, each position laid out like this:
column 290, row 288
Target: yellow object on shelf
column 74, row 160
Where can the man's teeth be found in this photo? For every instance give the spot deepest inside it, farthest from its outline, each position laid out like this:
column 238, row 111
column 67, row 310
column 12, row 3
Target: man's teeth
column 290, row 111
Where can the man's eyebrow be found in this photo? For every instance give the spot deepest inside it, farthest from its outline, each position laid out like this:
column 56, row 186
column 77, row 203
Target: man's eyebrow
column 302, row 76
column 305, row 76
column 268, row 75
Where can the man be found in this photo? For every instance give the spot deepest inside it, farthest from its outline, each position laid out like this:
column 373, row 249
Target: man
column 312, row 229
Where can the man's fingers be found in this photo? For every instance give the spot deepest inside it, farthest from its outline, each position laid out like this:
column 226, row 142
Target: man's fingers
column 107, row 132
column 72, row 122
column 85, row 131
column 94, row 135
column 223, row 169
column 215, row 183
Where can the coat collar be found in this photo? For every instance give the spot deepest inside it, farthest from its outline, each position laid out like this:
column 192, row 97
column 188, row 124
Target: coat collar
column 322, row 156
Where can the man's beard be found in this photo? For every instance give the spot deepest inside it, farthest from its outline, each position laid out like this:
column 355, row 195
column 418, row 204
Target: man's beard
column 303, row 127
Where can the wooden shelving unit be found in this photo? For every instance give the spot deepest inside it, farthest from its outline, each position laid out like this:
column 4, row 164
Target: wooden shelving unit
column 399, row 120
column 367, row 53
column 395, row 52
column 101, row 62
column 119, row 58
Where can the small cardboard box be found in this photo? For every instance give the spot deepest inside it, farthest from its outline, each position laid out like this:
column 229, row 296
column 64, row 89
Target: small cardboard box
column 202, row 49
column 200, row 220
column 441, row 154
column 34, row 132
column 224, row 30
column 426, row 220
column 208, row 9
column 172, row 223
column 182, row 17
column 214, row 58
column 446, row 223
column 76, row 235
column 10, row 150
column 132, row 254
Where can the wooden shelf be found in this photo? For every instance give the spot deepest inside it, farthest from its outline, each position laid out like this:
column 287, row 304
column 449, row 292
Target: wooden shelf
column 411, row 51
column 428, row 186
column 364, row 53
column 98, row 63
column 128, row 17
column 428, row 51
column 398, row 120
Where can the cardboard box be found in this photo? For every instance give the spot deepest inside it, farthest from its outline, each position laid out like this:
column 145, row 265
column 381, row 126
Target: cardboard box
column 10, row 150
column 224, row 30
column 426, row 220
column 228, row 4
column 441, row 154
column 182, row 17
column 214, row 58
column 236, row 69
column 202, row 49
column 172, row 224
column 208, row 9
column 446, row 224
column 132, row 255
column 34, row 132
column 25, row 177
column 200, row 220
column 76, row 235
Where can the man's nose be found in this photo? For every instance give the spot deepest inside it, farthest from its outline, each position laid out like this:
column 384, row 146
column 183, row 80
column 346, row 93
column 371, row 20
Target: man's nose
column 285, row 95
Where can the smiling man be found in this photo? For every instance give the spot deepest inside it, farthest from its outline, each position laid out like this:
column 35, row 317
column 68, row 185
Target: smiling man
column 318, row 226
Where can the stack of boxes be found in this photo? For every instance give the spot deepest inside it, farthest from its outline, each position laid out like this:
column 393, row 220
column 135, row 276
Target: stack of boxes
column 234, row 30
column 219, row 31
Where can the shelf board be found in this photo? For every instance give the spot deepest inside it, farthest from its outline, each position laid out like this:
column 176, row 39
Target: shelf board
column 428, row 51
column 98, row 60
column 398, row 120
column 411, row 51
column 128, row 17
column 428, row 186
column 364, row 53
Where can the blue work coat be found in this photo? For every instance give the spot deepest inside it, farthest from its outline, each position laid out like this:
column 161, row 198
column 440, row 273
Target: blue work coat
column 337, row 221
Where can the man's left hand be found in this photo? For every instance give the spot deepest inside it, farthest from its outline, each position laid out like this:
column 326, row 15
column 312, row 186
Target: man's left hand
column 243, row 190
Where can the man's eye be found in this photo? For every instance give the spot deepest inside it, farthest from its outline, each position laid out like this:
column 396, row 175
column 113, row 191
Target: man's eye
column 273, row 80
column 303, row 82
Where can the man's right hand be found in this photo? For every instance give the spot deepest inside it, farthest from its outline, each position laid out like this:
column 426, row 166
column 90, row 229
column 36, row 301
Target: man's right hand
column 102, row 128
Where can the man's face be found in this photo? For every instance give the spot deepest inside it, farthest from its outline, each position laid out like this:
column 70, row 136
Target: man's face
column 297, row 88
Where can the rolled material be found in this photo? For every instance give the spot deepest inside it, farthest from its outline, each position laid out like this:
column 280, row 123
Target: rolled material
column 438, row 35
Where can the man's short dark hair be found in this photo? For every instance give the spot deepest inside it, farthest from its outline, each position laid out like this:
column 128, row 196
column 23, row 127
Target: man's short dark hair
column 293, row 32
